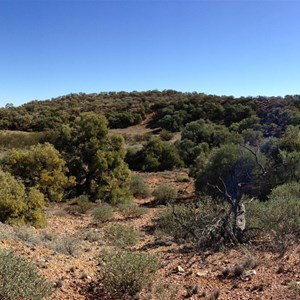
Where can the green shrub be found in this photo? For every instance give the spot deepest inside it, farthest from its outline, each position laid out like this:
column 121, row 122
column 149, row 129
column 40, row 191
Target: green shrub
column 183, row 178
column 285, row 191
column 155, row 155
column 193, row 223
column 83, row 204
column 120, row 235
column 6, row 232
column 166, row 135
column 18, row 206
column 42, row 167
column 131, row 210
column 123, row 272
column 27, row 235
column 279, row 219
column 138, row 187
column 20, row 279
column 68, row 245
column 90, row 234
column 19, row 140
column 103, row 213
column 165, row 194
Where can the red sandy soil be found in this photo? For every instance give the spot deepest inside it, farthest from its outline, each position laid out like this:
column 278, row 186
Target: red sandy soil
column 201, row 277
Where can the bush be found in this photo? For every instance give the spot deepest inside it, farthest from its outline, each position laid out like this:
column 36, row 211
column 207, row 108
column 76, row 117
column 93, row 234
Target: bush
column 277, row 218
column 285, row 191
column 68, row 245
column 18, row 206
column 138, row 187
column 42, row 167
column 192, row 223
column 20, row 279
column 183, row 178
column 103, row 213
column 27, row 235
column 125, row 272
column 95, row 159
column 166, row 135
column 165, row 194
column 121, row 235
column 155, row 155
column 83, row 204
column 131, row 210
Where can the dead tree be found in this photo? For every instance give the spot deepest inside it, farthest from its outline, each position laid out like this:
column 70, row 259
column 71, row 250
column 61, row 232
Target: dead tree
column 232, row 226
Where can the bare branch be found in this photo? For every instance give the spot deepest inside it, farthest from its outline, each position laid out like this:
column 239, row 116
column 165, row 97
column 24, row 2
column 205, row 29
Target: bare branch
column 257, row 160
column 225, row 190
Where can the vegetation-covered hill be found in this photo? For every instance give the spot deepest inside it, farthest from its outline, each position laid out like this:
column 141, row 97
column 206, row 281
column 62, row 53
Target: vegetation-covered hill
column 170, row 109
column 192, row 172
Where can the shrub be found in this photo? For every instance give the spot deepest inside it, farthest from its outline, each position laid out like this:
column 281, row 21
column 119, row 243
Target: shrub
column 194, row 222
column 121, row 235
column 131, row 210
column 83, row 204
column 20, row 279
column 165, row 194
column 19, row 140
column 166, row 135
column 183, row 178
column 27, row 235
column 95, row 158
column 285, row 191
column 68, row 245
column 91, row 235
column 155, row 155
column 278, row 218
column 125, row 272
column 42, row 167
column 18, row 206
column 103, row 213
column 138, row 187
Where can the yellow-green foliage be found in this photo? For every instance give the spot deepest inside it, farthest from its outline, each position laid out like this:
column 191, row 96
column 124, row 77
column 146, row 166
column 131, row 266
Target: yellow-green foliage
column 95, row 159
column 18, row 206
column 20, row 279
column 42, row 167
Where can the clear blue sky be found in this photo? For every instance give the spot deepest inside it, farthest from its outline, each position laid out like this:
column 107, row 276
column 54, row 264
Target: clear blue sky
column 50, row 48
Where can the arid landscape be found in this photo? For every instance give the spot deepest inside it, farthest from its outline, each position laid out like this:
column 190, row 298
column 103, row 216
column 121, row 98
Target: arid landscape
column 195, row 198
column 185, row 272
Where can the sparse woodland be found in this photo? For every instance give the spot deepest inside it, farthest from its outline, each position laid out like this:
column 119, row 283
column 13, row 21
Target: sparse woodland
column 137, row 195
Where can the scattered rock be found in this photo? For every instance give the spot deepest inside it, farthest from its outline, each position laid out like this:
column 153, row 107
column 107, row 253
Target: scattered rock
column 215, row 294
column 280, row 270
column 192, row 290
column 58, row 283
column 257, row 288
column 201, row 273
column 250, row 272
column 179, row 269
column 85, row 276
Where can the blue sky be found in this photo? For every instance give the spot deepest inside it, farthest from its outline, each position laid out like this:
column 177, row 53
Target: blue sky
column 50, row 48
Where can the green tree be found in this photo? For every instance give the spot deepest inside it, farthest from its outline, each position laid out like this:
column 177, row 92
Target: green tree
column 95, row 158
column 230, row 172
column 18, row 206
column 40, row 166
column 155, row 155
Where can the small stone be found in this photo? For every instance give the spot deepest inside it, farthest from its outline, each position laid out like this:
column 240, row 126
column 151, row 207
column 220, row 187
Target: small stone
column 179, row 269
column 280, row 270
column 192, row 290
column 85, row 276
column 201, row 273
column 257, row 288
column 58, row 283
column 250, row 273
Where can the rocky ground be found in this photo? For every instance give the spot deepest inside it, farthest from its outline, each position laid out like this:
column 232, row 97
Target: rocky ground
column 66, row 252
